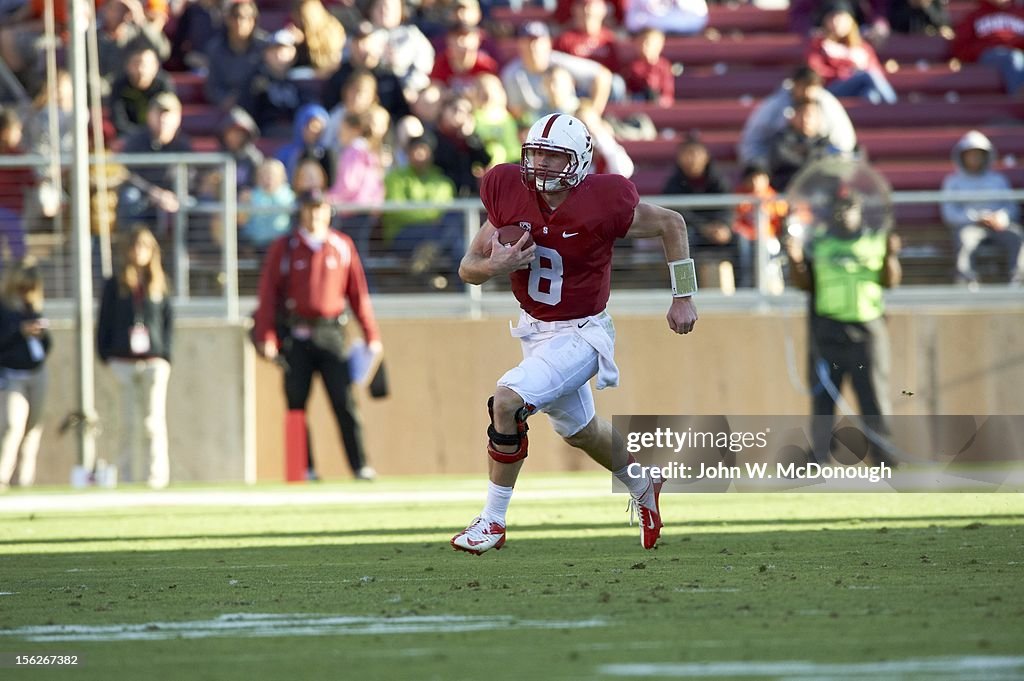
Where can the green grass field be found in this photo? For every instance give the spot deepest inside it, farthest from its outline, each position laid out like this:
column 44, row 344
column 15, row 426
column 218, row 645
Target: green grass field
column 361, row 584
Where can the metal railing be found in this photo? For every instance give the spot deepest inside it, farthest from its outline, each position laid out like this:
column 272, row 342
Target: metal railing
column 223, row 298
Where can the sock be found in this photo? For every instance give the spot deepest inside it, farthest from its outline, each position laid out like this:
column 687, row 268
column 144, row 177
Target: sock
column 640, row 488
column 497, row 503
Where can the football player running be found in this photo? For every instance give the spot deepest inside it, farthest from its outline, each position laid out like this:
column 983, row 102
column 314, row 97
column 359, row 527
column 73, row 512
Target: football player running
column 562, row 283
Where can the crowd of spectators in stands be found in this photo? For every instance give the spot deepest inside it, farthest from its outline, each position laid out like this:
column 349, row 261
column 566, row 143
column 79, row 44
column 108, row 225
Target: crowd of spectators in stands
column 383, row 100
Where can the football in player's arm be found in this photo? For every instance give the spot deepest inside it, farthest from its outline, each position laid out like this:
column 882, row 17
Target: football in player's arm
column 486, row 258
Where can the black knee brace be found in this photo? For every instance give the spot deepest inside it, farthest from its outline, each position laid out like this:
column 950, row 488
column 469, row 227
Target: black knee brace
column 518, row 439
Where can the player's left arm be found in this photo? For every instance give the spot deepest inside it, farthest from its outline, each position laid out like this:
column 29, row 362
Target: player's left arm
column 651, row 221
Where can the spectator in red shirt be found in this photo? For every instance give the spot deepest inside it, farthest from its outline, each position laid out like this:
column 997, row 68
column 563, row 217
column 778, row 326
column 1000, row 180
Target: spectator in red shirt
column 462, row 60
column 845, row 61
column 563, row 10
column 649, row 76
column 588, row 37
column 993, row 34
column 310, row 278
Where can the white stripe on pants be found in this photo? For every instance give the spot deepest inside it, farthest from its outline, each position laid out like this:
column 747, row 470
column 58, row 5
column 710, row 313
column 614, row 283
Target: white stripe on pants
column 143, row 386
column 21, row 408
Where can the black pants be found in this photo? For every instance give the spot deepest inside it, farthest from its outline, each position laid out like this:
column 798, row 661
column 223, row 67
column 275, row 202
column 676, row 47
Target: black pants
column 324, row 354
column 860, row 351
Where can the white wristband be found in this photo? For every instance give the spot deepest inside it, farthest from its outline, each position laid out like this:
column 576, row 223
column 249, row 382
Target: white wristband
column 684, row 278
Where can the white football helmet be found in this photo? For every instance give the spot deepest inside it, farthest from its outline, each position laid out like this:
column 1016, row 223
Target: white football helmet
column 562, row 133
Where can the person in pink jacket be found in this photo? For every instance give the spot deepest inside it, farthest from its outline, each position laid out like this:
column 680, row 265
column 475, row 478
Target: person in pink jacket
column 359, row 178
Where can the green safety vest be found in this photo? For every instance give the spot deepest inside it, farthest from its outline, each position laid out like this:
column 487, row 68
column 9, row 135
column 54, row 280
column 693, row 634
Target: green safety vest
column 847, row 276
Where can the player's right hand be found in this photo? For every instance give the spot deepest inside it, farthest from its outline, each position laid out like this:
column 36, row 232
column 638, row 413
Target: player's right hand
column 506, row 259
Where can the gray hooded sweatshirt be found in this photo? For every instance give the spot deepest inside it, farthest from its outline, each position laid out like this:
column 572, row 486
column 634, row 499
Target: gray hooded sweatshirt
column 960, row 214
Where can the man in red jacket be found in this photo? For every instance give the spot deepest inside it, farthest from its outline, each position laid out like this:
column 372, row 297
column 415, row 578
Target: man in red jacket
column 310, row 279
column 993, row 34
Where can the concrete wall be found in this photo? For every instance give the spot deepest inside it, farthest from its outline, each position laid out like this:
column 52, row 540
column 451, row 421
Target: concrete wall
column 206, row 405
column 442, row 371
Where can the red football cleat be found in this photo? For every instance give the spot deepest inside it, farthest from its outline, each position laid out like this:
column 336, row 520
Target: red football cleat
column 650, row 518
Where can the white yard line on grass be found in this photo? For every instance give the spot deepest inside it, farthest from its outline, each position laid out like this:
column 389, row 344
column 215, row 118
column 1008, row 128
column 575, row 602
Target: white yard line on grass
column 935, row 667
column 106, row 500
column 258, row 625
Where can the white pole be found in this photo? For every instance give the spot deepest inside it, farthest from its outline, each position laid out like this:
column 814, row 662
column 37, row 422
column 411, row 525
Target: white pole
column 80, row 230
column 52, row 108
column 99, row 147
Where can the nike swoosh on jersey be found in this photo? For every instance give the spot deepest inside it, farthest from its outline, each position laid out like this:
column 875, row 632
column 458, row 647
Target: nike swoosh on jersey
column 566, row 235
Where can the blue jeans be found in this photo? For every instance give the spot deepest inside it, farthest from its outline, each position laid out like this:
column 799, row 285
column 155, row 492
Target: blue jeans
column 12, row 231
column 1009, row 63
column 871, row 85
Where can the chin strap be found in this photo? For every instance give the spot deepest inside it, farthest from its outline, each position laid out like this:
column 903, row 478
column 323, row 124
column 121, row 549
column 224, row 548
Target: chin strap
column 519, row 440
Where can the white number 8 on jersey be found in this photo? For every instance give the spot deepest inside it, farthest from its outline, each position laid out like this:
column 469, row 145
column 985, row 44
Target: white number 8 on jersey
column 552, row 273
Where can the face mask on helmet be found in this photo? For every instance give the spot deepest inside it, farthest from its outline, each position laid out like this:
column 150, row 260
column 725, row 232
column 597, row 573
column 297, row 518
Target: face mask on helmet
column 557, row 134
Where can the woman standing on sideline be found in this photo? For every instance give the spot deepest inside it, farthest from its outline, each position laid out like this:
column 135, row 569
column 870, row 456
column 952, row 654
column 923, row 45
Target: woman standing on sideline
column 134, row 340
column 24, row 344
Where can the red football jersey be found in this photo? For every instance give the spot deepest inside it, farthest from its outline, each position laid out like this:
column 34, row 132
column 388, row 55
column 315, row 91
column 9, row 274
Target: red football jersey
column 571, row 276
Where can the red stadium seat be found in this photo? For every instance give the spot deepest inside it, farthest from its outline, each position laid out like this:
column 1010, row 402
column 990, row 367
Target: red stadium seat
column 746, row 18
column 879, row 143
column 511, row 19
column 781, row 48
column 200, row 119
column 205, row 143
column 723, row 18
column 704, row 82
column 928, row 175
column 730, row 114
column 189, row 87
column 273, row 18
